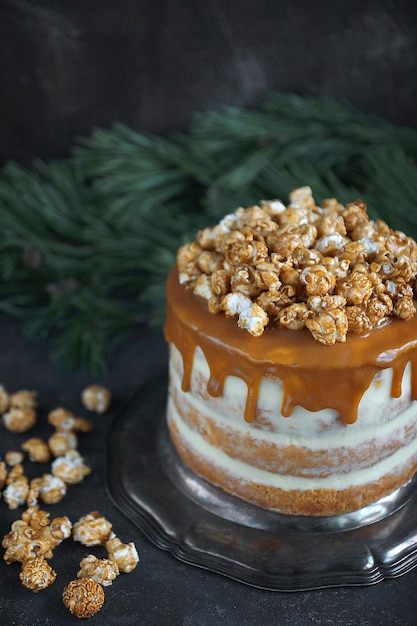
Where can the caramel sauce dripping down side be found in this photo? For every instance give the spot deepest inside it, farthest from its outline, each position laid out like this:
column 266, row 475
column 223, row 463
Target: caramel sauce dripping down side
column 313, row 376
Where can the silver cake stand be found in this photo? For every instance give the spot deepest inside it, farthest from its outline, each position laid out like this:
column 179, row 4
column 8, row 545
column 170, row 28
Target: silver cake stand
column 203, row 526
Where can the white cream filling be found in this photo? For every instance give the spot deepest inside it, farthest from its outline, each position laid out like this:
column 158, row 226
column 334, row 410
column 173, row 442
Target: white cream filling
column 347, row 435
column 243, row 471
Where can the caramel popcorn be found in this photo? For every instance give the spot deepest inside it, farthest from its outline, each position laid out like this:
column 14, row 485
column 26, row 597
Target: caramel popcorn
column 23, row 543
column 37, row 450
column 3, row 474
column 97, row 398
column 23, row 399
column 37, row 574
column 83, row 597
column 104, row 571
column 13, row 457
column 125, row 555
column 70, row 468
column 4, row 399
column 16, row 492
column 326, row 268
column 19, row 420
column 92, row 529
column 51, row 489
column 62, row 441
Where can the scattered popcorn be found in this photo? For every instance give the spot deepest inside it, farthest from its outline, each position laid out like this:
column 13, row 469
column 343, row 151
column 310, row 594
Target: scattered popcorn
column 60, row 528
column 4, row 399
column 37, row 574
column 83, row 597
column 285, row 266
column 125, row 555
column 33, row 493
column 16, row 492
column 51, row 489
column 104, row 571
column 37, row 450
column 62, row 441
column 23, row 399
column 70, row 467
column 16, row 472
column 14, row 457
column 33, row 538
column 35, row 517
column 65, row 421
column 96, row 398
column 3, row 474
column 61, row 419
column 92, row 529
column 19, row 420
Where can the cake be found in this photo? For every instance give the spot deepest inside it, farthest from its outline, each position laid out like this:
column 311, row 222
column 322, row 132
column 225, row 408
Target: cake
column 293, row 356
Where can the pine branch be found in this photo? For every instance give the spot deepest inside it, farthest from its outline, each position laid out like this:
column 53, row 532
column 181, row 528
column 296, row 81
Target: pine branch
column 87, row 243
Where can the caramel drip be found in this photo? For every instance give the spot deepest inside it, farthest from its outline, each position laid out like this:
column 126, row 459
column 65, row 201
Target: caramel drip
column 313, row 376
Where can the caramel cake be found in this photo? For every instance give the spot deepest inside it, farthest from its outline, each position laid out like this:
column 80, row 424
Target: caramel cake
column 293, row 356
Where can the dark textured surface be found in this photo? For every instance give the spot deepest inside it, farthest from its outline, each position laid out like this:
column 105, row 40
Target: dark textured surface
column 161, row 590
column 68, row 66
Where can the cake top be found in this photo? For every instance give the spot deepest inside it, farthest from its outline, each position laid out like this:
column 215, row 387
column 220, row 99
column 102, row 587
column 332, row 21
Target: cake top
column 326, row 268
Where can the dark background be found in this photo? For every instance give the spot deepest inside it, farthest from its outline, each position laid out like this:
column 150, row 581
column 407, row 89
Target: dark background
column 67, row 66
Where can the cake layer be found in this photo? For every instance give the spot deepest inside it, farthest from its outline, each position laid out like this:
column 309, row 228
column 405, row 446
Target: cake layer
column 313, row 445
column 328, row 498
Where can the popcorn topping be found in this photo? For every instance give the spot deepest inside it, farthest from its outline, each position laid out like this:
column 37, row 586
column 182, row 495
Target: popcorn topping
column 326, row 268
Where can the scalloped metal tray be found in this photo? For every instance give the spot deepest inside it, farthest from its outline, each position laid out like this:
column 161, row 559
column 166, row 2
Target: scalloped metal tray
column 203, row 526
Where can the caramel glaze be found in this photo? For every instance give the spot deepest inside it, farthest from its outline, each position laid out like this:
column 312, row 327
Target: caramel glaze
column 313, row 375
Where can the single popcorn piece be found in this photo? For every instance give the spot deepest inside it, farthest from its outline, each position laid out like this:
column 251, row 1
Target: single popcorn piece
column 19, row 420
column 70, row 468
column 16, row 492
column 3, row 474
column 51, row 489
column 96, row 398
column 14, row 457
column 35, row 517
column 23, row 399
column 125, row 555
column 4, row 399
column 60, row 529
column 65, row 421
column 37, row 450
column 92, row 529
column 16, row 472
column 104, row 571
column 37, row 574
column 62, row 442
column 33, row 493
column 251, row 315
column 83, row 597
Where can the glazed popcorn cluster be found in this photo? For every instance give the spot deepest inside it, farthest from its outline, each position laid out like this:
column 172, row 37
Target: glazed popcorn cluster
column 33, row 538
column 326, row 268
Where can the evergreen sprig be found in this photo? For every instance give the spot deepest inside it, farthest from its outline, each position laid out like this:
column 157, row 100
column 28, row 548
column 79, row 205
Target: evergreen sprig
column 88, row 242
